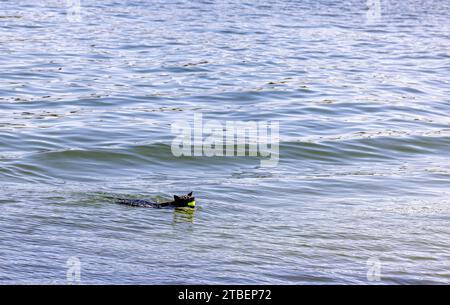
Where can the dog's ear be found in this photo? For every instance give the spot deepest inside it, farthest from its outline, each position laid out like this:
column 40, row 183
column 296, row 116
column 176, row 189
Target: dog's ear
column 190, row 194
column 176, row 198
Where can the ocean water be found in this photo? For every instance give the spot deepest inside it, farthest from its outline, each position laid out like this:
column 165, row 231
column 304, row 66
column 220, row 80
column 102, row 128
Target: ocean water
column 360, row 90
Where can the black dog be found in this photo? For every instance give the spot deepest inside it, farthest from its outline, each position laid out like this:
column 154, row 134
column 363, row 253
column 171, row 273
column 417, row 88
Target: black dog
column 178, row 202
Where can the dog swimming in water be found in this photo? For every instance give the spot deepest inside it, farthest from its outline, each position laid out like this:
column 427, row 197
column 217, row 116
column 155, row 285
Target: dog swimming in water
column 186, row 201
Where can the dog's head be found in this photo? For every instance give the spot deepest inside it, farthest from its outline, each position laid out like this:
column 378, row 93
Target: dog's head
column 184, row 201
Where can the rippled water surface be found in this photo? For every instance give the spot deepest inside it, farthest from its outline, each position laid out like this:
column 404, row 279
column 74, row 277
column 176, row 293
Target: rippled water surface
column 363, row 103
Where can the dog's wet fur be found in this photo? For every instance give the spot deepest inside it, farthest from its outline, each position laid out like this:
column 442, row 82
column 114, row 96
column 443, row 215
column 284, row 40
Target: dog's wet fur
column 177, row 202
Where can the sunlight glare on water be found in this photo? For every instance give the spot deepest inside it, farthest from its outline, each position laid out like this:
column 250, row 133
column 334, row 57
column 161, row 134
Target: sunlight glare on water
column 361, row 96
